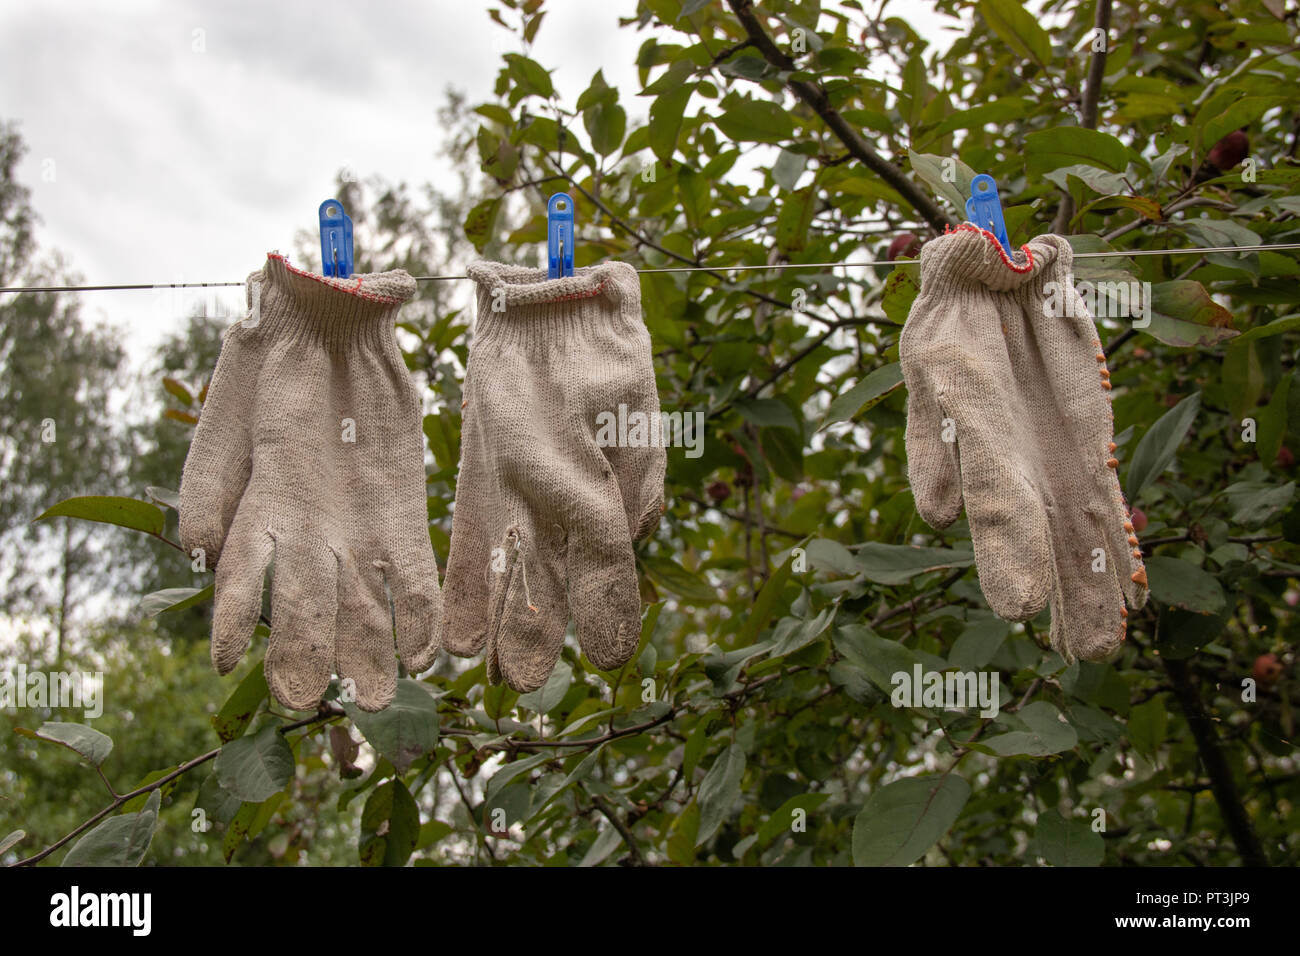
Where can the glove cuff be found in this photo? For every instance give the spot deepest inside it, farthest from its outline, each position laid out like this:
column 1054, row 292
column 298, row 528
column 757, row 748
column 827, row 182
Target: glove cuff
column 970, row 255
column 336, row 312
column 520, row 305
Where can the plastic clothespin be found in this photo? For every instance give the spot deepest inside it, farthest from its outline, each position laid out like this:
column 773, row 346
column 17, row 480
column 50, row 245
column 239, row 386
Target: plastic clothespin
column 559, row 236
column 984, row 208
column 335, row 239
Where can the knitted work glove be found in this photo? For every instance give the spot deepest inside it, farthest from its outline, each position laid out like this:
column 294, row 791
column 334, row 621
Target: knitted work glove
column 546, row 514
column 309, row 451
column 1026, row 395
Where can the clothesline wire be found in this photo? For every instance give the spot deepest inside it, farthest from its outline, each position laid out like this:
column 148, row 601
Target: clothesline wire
column 852, row 264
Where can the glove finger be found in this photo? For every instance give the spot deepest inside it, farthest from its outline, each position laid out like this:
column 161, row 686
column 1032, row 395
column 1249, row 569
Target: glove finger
column 602, row 583
column 219, row 461
column 1065, row 354
column 638, row 474
column 304, row 604
column 365, row 654
column 417, row 610
column 239, row 591
column 1008, row 517
column 932, row 465
column 1088, row 615
column 530, row 610
column 631, row 437
column 467, row 588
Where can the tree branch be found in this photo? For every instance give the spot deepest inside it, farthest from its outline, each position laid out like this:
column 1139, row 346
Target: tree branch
column 1216, row 765
column 1088, row 112
column 820, row 104
column 184, row 768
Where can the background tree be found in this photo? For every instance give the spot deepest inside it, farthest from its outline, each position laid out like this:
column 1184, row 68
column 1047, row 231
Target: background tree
column 56, row 378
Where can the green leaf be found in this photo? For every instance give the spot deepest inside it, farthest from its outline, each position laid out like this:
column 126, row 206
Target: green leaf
column 125, row 512
column 788, row 168
column 1220, row 232
column 1214, row 121
column 1273, row 423
column 1180, row 634
column 499, row 700
column 977, row 644
column 793, row 633
column 868, row 392
column 579, row 773
column 681, row 835
column 1181, row 584
column 605, row 844
column 179, row 391
column 694, row 746
column 547, row 697
column 175, row 599
column 760, row 121
column 433, row 832
column 1049, row 149
column 137, row 803
column 1018, row 29
column 479, row 222
column 945, row 175
column 878, row 658
column 1286, row 324
column 767, row 413
column 254, row 767
column 242, row 705
column 760, row 613
column 217, row 805
column 1098, row 180
column 903, row 819
column 529, row 75
column 666, row 120
column 164, row 496
column 1159, row 445
column 1147, row 724
column 1063, row 842
column 511, row 772
column 606, row 124
column 782, row 819
column 719, row 791
column 390, row 826
column 667, row 573
column 901, row 289
column 899, row 563
column 1183, row 314
column 1046, row 733
column 404, row 730
column 122, row 840
column 794, row 217
column 598, row 92
column 86, row 741
column 1257, row 503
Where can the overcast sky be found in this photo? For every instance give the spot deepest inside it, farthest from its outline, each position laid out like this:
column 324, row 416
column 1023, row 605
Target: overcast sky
column 180, row 141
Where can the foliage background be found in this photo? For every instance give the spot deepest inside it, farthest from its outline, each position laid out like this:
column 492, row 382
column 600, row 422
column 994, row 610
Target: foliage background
column 760, row 697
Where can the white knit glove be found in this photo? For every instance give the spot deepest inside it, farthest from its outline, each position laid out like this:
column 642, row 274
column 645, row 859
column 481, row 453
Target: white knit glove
column 309, row 451
column 1026, row 396
column 545, row 515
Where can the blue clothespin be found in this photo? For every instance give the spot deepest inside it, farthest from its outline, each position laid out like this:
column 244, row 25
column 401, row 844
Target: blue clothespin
column 984, row 208
column 559, row 236
column 335, row 239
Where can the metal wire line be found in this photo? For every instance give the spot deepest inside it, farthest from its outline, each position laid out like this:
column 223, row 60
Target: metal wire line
column 862, row 263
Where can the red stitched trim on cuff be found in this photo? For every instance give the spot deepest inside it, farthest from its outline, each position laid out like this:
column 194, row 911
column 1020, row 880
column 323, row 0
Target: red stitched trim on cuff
column 356, row 290
column 971, row 227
